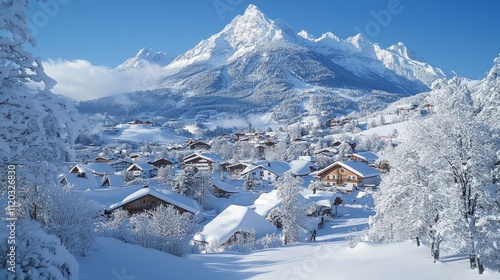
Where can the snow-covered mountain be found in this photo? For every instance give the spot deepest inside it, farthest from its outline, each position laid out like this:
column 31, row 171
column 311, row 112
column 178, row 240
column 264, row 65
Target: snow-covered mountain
column 145, row 55
column 258, row 65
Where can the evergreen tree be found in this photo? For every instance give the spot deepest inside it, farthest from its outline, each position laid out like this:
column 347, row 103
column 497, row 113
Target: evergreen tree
column 185, row 183
column 292, row 216
column 250, row 184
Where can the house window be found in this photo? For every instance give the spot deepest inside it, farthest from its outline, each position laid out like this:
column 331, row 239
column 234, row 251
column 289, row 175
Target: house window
column 253, row 173
column 137, row 203
column 143, row 202
column 262, row 174
column 328, row 177
column 341, row 170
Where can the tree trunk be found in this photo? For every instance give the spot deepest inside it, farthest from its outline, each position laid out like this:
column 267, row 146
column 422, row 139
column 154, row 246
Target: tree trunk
column 472, row 260
column 435, row 251
column 435, row 254
column 418, row 241
column 480, row 266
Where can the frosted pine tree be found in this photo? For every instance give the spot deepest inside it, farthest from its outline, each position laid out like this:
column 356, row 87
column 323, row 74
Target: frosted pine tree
column 186, row 183
column 165, row 175
column 292, row 216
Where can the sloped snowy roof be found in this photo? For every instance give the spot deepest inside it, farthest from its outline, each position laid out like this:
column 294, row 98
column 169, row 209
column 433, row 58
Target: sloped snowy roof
column 95, row 167
column 265, row 203
column 142, row 166
column 89, row 181
column 300, row 167
column 120, row 160
column 233, row 219
column 356, row 167
column 277, row 167
column 223, row 185
column 208, row 156
column 322, row 198
column 114, row 180
column 367, row 156
column 171, row 197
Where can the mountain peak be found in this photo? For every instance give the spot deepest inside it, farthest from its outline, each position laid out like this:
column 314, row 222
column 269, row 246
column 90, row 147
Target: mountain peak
column 147, row 55
column 358, row 41
column 252, row 9
column 304, row 34
column 403, row 51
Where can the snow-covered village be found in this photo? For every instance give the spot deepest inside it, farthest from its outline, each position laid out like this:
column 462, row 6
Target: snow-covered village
column 260, row 152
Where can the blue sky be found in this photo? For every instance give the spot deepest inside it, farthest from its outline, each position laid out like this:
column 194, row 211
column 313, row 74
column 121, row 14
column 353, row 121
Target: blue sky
column 460, row 35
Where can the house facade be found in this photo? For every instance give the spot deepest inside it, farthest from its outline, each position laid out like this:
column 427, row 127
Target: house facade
column 121, row 164
column 148, row 198
column 202, row 161
column 161, row 162
column 237, row 168
column 143, row 170
column 267, row 172
column 353, row 173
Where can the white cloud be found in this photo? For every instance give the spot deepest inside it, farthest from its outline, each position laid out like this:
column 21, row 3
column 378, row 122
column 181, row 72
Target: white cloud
column 80, row 80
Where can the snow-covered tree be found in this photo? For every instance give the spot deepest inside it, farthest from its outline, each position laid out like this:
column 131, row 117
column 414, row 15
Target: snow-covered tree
column 196, row 184
column 72, row 218
column 441, row 185
column 292, row 216
column 203, row 189
column 38, row 255
column 250, row 184
column 18, row 66
column 185, row 183
column 277, row 152
column 344, row 149
column 165, row 175
column 37, row 130
column 163, row 228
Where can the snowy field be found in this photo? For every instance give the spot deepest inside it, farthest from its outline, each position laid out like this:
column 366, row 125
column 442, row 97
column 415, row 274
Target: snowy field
column 330, row 257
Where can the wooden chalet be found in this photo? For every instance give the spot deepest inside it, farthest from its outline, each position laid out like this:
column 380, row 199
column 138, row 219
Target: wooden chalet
column 103, row 159
column 143, row 170
column 349, row 174
column 202, row 161
column 237, row 168
column 221, row 188
column 161, row 162
column 148, row 198
column 193, row 144
column 121, row 164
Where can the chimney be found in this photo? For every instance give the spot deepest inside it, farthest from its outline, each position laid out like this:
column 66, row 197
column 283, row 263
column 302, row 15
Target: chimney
column 145, row 187
column 269, row 163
